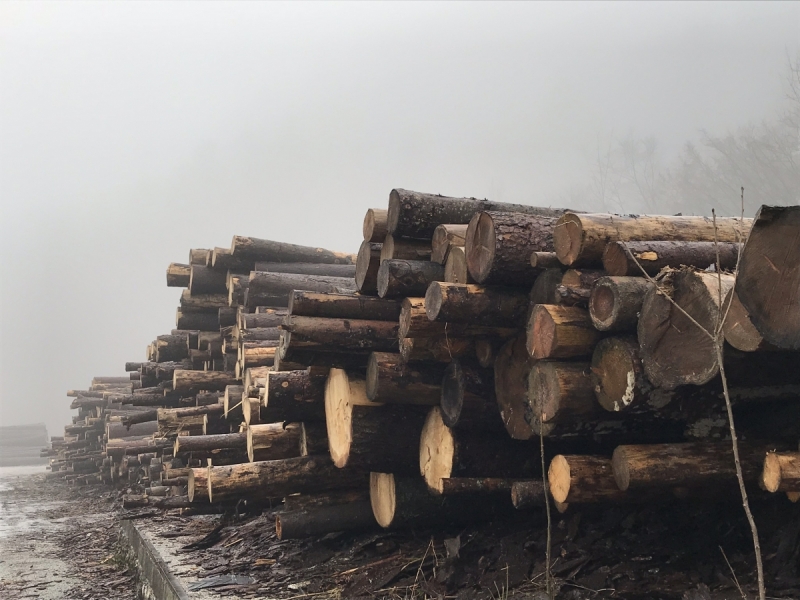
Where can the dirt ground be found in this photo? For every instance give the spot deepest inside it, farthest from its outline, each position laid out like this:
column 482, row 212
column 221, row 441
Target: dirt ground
column 59, row 541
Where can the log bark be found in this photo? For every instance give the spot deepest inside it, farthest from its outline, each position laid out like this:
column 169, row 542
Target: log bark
column 368, row 263
column 499, row 246
column 616, row 302
column 769, row 275
column 343, row 306
column 781, row 472
column 275, row 288
column 674, row 350
column 319, row 520
column 511, row 370
column 545, row 260
column 120, row 430
column 178, row 275
column 468, row 399
column 375, row 227
column 325, row 270
column 171, row 348
column 416, row 215
column 403, row 249
column 353, row 335
column 444, row 238
column 266, row 250
column 455, row 267
column 272, row 317
column 273, row 441
column 391, row 380
column 581, row 239
column 414, row 323
column 197, row 321
column 479, row 305
column 294, row 396
column 205, row 280
column 194, row 381
column 398, row 278
column 206, row 446
column 436, row 349
column 453, row 486
column 562, row 392
column 560, row 332
column 223, row 260
column 738, row 328
column 202, row 302
column 528, row 494
column 583, row 479
column 620, row 258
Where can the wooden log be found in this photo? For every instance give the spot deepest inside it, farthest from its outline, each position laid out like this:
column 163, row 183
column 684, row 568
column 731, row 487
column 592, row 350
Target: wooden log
column 583, row 479
column 468, row 399
column 197, row 487
column 781, row 472
column 479, row 305
column 416, row 215
column 204, row 280
column 329, row 270
column 275, row 288
column 202, row 302
column 315, row 521
column 117, row 448
column 528, row 494
column 237, row 285
column 444, row 238
column 296, row 502
column 545, row 288
column 193, row 381
column 178, row 275
column 294, row 396
column 365, row 435
column 391, row 380
column 404, row 249
column 560, row 332
column 616, row 302
column 738, row 328
column 414, row 323
column 545, row 260
column 120, row 430
column 171, row 348
column 205, row 446
column 576, row 286
column 130, row 501
column 499, row 245
column 512, row 367
column 618, row 378
column 445, row 452
column 266, row 250
column 197, row 321
column 198, row 256
column 620, row 258
column 257, row 354
column 259, row 334
column 251, row 411
column 368, row 263
column 685, row 465
column 273, row 441
column 227, row 316
column 279, row 478
column 769, row 275
column 223, row 260
column 455, row 267
column 341, row 334
column 375, row 225
column 398, row 278
column 436, row 349
column 674, row 350
column 270, row 317
column 562, row 392
column 581, row 239
column 232, row 401
column 292, row 357
column 343, row 306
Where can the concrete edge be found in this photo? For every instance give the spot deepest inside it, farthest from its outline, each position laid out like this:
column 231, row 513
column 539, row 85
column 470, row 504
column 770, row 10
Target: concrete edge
column 152, row 568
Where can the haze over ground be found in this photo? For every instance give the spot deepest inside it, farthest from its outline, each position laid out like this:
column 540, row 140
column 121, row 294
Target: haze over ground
column 131, row 132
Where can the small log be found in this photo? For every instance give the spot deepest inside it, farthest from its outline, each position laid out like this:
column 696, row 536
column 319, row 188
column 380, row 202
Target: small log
column 416, row 215
column 197, row 321
column 205, row 446
column 273, row 441
column 781, row 472
column 275, row 288
column 455, row 267
column 354, row 335
column 266, row 250
column 468, row 399
column 320, row 520
column 479, row 305
column 581, row 239
column 294, row 396
column 251, row 411
column 268, row 317
column 545, row 288
column 178, row 275
column 738, row 329
column 198, row 256
column 545, row 260
column 162, row 503
column 296, row 502
column 391, row 380
column 171, row 348
column 204, row 280
column 414, row 323
column 202, row 302
column 511, row 370
column 343, row 306
column 194, row 381
column 404, row 249
column 616, row 302
column 620, row 258
column 397, row 278
column 368, row 263
column 560, row 332
column 444, row 238
column 453, row 486
column 436, row 349
column 499, row 245
column 322, row 269
column 561, row 392
column 528, row 494
column 583, row 479
column 375, row 226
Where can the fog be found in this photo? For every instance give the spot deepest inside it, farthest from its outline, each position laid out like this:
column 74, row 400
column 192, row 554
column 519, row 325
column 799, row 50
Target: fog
column 130, row 133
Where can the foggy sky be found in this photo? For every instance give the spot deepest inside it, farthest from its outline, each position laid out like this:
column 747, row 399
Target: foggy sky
column 130, row 133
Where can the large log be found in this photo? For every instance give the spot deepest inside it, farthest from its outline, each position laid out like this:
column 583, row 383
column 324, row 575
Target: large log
column 414, row 323
column 769, row 275
column 512, row 367
column 294, row 396
column 343, row 306
column 499, row 245
column 781, row 472
column 615, row 302
column 444, row 238
column 117, row 448
column 398, row 278
column 275, row 288
column 391, row 380
column 204, row 280
column 479, row 305
column 178, row 275
column 560, row 332
column 468, row 398
column 171, row 348
column 368, row 263
column 624, row 258
column 674, row 350
column 354, row 335
column 375, row 225
column 193, row 381
column 319, row 520
column 403, row 249
column 266, row 250
column 561, row 392
column 366, row 435
column 581, row 239
column 273, row 441
column 416, row 215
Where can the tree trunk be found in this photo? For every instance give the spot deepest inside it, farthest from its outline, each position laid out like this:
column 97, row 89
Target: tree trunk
column 581, row 239
column 367, row 265
column 616, row 302
column 343, row 306
column 270, row 288
column 618, row 376
column 375, row 224
column 178, row 275
column 444, row 238
column 475, row 304
column 391, row 380
column 260, row 334
column 266, row 250
column 618, row 257
column 320, row 520
column 341, row 334
column 205, row 280
column 194, row 381
column 273, row 442
column 674, row 350
column 403, row 249
column 781, row 472
column 560, row 332
column 739, row 330
column 511, row 369
column 468, row 399
column 320, row 269
column 197, row 488
column 223, row 260
column 416, row 215
column 455, row 267
column 453, row 486
column 499, row 246
column 398, row 278
column 294, row 396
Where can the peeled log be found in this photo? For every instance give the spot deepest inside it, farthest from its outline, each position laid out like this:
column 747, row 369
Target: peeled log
column 674, row 350
column 178, row 275
column 375, row 227
column 444, row 238
column 205, row 280
column 273, row 442
column 499, row 246
column 455, row 268
column 343, row 306
column 403, row 249
column 475, row 304
column 560, row 332
column 367, row 264
column 270, row 288
column 615, row 302
column 768, row 283
column 511, row 370
column 738, row 329
column 397, row 278
column 781, row 472
column 392, row 381
column 365, row 435
column 319, row 520
column 194, row 381
column 468, row 400
column 325, row 270
column 618, row 258
column 581, row 239
column 266, row 250
column 416, row 215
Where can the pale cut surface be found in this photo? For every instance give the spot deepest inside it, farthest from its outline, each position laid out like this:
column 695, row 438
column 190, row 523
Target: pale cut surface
column 436, row 449
column 382, row 497
column 559, row 478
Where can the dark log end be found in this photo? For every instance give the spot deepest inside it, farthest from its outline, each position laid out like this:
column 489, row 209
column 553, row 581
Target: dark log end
column 452, row 394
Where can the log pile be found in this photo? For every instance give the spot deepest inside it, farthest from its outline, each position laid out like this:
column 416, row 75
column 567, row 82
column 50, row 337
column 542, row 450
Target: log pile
column 410, row 383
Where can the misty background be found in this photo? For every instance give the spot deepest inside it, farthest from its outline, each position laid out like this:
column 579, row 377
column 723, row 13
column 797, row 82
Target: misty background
column 132, row 132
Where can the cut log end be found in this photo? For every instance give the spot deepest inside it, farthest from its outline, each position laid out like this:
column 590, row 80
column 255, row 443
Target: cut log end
column 382, row 497
column 614, row 372
column 771, row 476
column 559, row 478
column 481, row 245
column 567, row 238
column 436, row 450
column 601, row 307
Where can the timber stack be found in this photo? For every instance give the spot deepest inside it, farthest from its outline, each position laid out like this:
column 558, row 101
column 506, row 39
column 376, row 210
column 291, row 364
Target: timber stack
column 416, row 381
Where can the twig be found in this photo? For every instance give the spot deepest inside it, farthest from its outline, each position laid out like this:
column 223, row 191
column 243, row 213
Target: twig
column 733, row 574
column 548, row 576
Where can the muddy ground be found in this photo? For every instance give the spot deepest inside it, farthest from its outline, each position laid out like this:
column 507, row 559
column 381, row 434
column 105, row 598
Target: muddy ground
column 60, row 541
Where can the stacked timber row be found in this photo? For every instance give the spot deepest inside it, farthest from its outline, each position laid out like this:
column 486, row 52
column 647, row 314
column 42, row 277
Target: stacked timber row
column 411, row 383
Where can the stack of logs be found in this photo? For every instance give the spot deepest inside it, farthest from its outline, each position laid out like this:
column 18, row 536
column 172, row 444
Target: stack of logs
column 395, row 386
